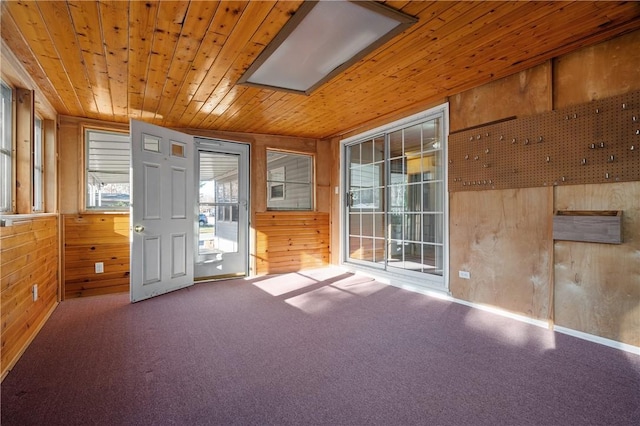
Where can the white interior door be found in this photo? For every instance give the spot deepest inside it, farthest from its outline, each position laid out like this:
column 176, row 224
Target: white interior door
column 162, row 210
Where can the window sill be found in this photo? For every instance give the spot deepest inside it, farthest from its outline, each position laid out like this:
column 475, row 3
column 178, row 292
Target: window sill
column 88, row 212
column 7, row 219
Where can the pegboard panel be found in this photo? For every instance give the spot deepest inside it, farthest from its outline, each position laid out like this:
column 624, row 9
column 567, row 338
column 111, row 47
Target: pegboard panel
column 596, row 142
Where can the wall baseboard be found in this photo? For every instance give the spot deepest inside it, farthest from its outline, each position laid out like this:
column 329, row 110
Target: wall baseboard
column 597, row 339
column 498, row 311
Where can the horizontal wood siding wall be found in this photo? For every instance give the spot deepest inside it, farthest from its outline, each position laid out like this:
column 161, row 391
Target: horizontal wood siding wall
column 29, row 256
column 93, row 238
column 291, row 241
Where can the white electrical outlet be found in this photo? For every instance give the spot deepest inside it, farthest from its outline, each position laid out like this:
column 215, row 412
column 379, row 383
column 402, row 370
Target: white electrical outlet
column 99, row 267
column 34, row 291
column 464, row 274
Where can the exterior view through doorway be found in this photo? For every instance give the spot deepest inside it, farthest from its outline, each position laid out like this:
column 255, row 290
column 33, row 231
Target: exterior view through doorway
column 223, row 209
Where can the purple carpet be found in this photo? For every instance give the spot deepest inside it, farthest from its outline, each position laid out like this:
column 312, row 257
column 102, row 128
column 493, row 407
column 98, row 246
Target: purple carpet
column 321, row 347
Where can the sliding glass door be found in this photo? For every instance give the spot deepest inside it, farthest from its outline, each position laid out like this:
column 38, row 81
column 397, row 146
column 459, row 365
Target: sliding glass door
column 394, row 204
column 366, row 209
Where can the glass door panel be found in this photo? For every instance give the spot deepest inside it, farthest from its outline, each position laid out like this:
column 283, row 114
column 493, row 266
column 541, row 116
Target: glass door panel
column 223, row 214
column 365, row 201
column 395, row 202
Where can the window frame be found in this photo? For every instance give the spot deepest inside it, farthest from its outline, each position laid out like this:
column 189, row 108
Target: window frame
column 84, row 199
column 8, row 200
column 286, row 182
column 38, row 165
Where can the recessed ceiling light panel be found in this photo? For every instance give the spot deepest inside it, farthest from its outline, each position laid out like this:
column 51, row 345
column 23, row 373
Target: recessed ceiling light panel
column 321, row 40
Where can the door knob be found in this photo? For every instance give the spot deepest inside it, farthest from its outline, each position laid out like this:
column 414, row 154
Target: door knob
column 138, row 228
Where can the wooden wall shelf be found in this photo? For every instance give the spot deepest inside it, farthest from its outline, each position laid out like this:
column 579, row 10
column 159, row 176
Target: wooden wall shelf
column 592, row 226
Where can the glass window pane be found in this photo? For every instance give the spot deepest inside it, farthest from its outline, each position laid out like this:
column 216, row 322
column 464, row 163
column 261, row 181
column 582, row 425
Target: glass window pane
column 395, row 144
column 355, row 249
column 367, row 225
column 378, row 149
column 289, row 181
column 432, row 259
column 378, row 250
column 151, row 143
column 412, row 228
column 413, row 256
column 432, row 197
column 107, row 170
column 366, row 152
column 397, row 171
column 395, row 225
column 413, row 198
column 432, row 228
column 413, row 141
column 223, row 236
column 368, row 249
column 431, row 135
column 354, row 223
column 6, row 150
column 354, row 154
column 432, row 166
column 395, row 251
column 297, row 196
column 38, row 166
column 178, row 149
column 397, row 194
column 370, row 175
column 378, row 224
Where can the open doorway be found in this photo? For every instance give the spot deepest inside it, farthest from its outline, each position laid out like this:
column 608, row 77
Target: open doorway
column 223, row 209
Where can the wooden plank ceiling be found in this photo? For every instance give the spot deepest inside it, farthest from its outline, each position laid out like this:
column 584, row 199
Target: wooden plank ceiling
column 177, row 63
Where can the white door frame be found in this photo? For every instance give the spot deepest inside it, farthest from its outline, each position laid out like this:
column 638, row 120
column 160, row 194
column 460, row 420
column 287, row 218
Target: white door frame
column 218, row 267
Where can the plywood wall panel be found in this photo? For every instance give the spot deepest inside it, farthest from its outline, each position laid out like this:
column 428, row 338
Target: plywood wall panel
column 597, row 286
column 522, row 94
column 597, row 72
column 29, row 256
column 503, row 239
column 95, row 238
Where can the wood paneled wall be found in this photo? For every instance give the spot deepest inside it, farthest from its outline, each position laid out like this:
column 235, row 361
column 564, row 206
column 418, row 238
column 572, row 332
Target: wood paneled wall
column 29, row 250
column 291, row 241
column 79, row 274
column 92, row 238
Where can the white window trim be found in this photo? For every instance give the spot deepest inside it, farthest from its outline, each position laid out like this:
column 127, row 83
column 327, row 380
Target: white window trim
column 397, row 278
column 284, row 182
column 38, row 190
column 12, row 158
column 85, row 166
